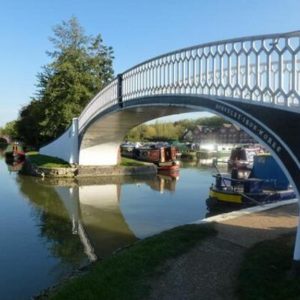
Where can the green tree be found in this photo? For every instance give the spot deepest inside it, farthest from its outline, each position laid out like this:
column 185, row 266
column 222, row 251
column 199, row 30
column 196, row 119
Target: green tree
column 10, row 130
column 214, row 121
column 29, row 126
column 81, row 66
column 167, row 131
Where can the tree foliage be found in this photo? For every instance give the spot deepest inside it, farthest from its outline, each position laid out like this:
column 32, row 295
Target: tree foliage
column 80, row 66
column 214, row 121
column 9, row 130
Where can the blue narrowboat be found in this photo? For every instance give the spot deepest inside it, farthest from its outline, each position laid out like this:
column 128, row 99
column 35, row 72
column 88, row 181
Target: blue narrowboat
column 266, row 183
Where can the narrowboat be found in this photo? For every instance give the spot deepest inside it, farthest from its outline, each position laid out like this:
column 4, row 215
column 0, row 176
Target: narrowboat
column 168, row 166
column 266, row 183
column 163, row 157
column 15, row 153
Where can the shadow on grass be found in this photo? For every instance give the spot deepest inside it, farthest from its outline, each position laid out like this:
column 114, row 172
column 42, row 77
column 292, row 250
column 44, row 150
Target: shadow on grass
column 266, row 271
column 125, row 274
column 46, row 161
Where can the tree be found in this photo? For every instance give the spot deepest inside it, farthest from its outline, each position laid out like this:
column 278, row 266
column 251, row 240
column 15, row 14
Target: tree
column 81, row 66
column 30, row 124
column 214, row 121
column 170, row 131
column 10, row 130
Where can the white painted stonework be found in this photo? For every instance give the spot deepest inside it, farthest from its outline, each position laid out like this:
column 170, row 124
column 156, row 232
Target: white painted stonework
column 66, row 146
column 100, row 155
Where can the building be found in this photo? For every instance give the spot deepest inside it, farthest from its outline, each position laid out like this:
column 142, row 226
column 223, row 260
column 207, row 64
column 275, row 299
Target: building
column 226, row 134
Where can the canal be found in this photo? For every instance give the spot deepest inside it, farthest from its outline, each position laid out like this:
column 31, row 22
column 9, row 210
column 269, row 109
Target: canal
column 49, row 228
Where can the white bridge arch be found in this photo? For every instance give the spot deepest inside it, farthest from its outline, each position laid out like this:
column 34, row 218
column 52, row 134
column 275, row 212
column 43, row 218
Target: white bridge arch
column 259, row 70
column 252, row 81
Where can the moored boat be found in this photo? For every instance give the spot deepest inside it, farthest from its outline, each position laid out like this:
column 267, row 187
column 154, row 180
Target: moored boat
column 168, row 166
column 163, row 157
column 242, row 157
column 167, row 160
column 266, row 183
column 15, row 153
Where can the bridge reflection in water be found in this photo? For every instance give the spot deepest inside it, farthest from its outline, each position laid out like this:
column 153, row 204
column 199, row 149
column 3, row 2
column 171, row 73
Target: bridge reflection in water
column 85, row 217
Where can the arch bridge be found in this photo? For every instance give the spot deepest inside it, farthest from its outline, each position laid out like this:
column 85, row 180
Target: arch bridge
column 253, row 82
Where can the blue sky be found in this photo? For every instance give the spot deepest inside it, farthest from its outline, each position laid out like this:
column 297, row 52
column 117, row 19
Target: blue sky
column 136, row 29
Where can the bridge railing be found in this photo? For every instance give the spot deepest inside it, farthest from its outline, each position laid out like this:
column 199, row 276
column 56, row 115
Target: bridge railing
column 104, row 99
column 264, row 69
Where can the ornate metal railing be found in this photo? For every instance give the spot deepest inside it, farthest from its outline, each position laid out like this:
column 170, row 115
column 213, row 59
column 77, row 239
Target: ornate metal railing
column 105, row 98
column 264, row 69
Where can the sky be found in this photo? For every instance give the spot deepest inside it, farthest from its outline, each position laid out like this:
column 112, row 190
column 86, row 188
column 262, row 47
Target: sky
column 136, row 29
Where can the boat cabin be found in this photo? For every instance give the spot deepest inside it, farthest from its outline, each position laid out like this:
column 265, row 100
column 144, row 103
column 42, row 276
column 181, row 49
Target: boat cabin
column 243, row 157
column 156, row 155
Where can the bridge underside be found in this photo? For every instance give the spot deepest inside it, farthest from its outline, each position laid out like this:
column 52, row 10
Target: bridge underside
column 99, row 143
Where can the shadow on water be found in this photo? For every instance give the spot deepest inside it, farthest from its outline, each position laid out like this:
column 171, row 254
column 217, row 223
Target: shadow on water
column 67, row 222
column 83, row 215
column 3, row 147
column 54, row 221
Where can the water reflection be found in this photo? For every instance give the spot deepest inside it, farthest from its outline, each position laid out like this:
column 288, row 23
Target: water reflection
column 12, row 165
column 3, row 148
column 86, row 208
column 64, row 223
column 54, row 219
column 86, row 215
column 165, row 182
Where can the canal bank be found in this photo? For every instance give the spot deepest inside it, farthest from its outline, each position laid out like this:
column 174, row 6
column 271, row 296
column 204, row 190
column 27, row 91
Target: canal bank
column 212, row 269
column 41, row 220
column 51, row 167
column 208, row 268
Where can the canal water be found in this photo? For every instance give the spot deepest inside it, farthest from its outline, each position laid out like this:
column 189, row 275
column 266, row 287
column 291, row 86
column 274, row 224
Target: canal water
column 49, row 228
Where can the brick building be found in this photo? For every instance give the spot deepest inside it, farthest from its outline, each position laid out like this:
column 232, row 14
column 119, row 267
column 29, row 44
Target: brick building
column 226, row 134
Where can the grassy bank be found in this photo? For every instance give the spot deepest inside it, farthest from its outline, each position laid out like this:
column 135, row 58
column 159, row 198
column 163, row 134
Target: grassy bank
column 265, row 272
column 44, row 161
column 125, row 274
column 128, row 162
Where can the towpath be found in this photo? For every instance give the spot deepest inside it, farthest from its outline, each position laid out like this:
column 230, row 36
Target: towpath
column 209, row 271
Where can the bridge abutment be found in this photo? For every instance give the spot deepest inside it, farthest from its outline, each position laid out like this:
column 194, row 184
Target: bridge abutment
column 66, row 146
column 100, row 155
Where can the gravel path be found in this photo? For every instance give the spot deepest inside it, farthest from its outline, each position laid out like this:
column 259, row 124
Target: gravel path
column 209, row 270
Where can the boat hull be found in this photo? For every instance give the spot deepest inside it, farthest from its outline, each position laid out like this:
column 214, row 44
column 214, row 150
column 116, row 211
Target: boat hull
column 170, row 166
column 226, row 197
column 220, row 197
column 14, row 156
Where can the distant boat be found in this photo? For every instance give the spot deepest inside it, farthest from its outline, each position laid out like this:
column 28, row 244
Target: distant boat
column 14, row 152
column 164, row 157
column 266, row 183
column 127, row 149
column 242, row 157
